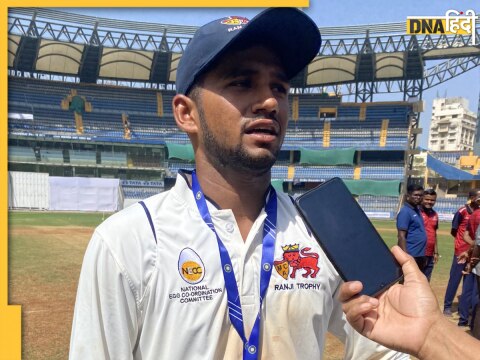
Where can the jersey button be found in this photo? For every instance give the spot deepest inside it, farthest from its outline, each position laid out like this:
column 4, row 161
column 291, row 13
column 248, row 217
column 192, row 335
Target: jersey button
column 229, row 227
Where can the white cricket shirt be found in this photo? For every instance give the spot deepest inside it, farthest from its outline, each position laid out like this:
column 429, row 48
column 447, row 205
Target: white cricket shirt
column 138, row 299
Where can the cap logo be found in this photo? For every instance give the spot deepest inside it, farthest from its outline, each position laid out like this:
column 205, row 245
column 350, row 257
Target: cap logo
column 234, row 20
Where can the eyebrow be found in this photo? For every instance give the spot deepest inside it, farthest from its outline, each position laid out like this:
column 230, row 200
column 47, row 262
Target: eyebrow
column 234, row 72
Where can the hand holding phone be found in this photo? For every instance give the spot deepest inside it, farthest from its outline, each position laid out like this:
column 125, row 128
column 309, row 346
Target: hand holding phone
column 348, row 238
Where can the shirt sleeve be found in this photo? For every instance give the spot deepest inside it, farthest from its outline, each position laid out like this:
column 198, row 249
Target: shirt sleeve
column 403, row 220
column 105, row 316
column 457, row 219
column 477, row 236
column 470, row 226
column 357, row 346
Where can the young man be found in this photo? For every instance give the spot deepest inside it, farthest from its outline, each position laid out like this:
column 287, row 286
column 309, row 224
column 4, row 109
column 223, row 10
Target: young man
column 201, row 271
column 473, row 267
column 430, row 222
column 459, row 224
column 469, row 298
column 411, row 234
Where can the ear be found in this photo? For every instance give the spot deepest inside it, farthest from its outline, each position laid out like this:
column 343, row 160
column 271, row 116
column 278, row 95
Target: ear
column 185, row 113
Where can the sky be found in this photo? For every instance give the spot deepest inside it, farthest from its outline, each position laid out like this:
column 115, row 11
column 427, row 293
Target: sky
column 331, row 13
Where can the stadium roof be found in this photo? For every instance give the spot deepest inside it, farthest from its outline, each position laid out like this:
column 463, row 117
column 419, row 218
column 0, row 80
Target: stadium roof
column 449, row 172
column 90, row 48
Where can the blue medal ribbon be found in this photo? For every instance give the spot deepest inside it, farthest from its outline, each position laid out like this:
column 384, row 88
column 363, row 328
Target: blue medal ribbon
column 250, row 348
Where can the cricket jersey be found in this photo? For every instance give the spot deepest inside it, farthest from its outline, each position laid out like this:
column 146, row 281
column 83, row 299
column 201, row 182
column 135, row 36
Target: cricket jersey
column 430, row 221
column 152, row 287
column 459, row 223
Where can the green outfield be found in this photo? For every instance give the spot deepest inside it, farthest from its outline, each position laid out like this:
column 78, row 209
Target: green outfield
column 45, row 256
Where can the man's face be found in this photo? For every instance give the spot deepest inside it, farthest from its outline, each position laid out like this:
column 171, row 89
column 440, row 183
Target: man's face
column 243, row 110
column 475, row 200
column 429, row 201
column 415, row 197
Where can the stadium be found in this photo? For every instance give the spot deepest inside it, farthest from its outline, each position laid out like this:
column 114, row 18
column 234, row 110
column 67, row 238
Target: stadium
column 91, row 129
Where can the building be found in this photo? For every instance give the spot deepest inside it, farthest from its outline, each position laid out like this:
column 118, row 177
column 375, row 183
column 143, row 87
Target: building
column 452, row 126
column 476, row 147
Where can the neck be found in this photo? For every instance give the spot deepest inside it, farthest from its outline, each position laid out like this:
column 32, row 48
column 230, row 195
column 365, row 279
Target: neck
column 231, row 189
column 243, row 193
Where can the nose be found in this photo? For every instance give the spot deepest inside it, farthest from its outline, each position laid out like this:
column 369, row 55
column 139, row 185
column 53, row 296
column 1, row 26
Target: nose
column 265, row 103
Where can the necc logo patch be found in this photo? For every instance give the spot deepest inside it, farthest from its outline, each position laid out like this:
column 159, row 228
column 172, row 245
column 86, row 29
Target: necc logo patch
column 190, row 266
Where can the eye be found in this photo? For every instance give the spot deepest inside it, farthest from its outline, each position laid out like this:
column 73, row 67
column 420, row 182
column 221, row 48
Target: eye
column 241, row 83
column 281, row 88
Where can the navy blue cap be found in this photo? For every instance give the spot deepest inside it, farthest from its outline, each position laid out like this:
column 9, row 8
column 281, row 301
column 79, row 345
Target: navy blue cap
column 289, row 32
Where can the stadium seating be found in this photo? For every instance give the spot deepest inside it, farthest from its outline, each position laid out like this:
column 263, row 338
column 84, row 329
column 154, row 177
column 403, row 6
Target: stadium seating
column 118, row 159
column 52, row 156
column 150, row 119
column 370, row 203
column 21, row 154
column 317, row 173
column 104, row 121
column 449, row 205
column 449, row 157
column 382, row 171
column 139, row 189
column 83, row 157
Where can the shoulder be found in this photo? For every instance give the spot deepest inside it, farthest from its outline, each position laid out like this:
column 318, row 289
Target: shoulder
column 129, row 238
column 129, row 223
column 286, row 202
column 405, row 211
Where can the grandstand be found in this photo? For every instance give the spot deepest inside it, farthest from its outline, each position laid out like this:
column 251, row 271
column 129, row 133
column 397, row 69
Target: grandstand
column 84, row 115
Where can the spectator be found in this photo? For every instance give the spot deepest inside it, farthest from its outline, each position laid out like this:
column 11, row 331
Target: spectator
column 469, row 297
column 411, row 234
column 430, row 221
column 459, row 224
column 473, row 266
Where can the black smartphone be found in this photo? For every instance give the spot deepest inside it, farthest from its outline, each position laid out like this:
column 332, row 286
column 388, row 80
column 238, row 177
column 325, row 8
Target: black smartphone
column 348, row 238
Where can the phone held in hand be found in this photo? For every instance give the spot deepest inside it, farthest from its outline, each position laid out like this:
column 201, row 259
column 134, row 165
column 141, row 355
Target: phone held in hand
column 348, row 238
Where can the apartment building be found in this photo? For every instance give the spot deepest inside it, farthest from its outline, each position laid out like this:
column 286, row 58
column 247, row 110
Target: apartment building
column 452, row 126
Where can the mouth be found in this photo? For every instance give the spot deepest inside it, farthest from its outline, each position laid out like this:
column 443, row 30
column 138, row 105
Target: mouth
column 263, row 130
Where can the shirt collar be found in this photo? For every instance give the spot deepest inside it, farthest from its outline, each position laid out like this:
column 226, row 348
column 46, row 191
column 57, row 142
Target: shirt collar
column 411, row 206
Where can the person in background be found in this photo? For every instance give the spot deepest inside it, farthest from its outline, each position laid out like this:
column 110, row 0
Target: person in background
column 473, row 266
column 407, row 317
column 459, row 224
column 411, row 234
column 469, row 298
column 430, row 221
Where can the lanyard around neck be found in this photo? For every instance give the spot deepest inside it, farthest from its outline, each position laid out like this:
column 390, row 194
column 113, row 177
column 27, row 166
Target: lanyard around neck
column 250, row 348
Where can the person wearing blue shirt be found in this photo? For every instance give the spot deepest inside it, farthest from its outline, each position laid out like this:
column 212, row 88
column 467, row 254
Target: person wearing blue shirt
column 411, row 234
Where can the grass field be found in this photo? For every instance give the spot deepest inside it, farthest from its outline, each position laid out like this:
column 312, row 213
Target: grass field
column 45, row 256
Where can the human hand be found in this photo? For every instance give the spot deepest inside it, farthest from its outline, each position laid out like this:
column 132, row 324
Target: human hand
column 401, row 317
column 463, row 257
column 467, row 269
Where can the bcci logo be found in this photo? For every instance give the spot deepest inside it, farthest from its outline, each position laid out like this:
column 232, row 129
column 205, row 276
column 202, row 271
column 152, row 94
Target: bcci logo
column 454, row 22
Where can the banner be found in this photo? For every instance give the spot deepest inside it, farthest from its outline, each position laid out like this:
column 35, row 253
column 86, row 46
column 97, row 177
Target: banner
column 84, row 194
